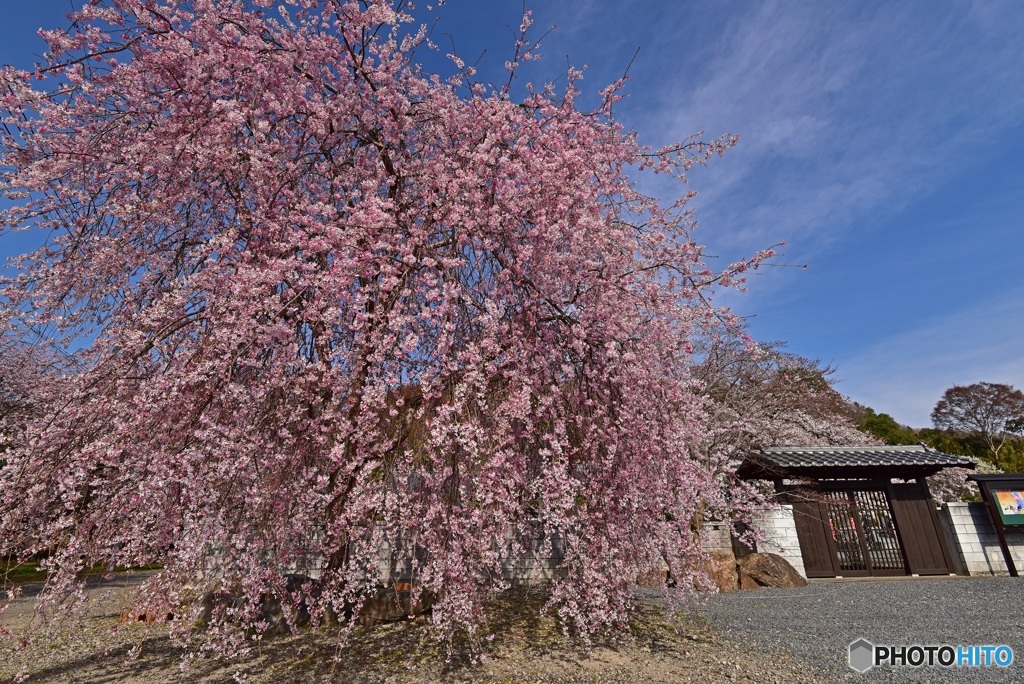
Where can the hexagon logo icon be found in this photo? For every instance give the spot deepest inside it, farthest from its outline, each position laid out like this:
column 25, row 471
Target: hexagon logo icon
column 862, row 655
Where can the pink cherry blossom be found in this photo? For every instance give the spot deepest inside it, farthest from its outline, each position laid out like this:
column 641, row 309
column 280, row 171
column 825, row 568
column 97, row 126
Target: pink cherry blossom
column 322, row 302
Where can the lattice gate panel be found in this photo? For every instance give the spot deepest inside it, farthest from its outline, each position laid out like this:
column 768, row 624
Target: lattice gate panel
column 849, row 550
column 878, row 532
column 865, row 536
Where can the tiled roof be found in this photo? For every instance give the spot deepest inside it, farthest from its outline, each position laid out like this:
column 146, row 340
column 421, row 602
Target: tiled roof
column 859, row 457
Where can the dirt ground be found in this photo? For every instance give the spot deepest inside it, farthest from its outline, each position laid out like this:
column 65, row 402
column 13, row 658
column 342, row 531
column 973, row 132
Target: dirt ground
column 527, row 648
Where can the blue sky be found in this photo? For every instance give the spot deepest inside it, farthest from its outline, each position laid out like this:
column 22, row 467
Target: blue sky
column 883, row 142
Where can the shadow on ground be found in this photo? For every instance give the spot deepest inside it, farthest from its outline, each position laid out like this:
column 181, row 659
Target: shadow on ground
column 400, row 652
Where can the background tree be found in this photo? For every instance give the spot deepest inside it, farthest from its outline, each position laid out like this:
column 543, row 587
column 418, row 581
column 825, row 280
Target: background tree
column 884, row 427
column 329, row 300
column 760, row 396
column 952, row 485
column 986, row 409
column 949, row 484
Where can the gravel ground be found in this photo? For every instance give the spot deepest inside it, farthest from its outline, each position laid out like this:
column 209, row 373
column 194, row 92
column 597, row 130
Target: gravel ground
column 768, row 636
column 817, row 623
column 526, row 648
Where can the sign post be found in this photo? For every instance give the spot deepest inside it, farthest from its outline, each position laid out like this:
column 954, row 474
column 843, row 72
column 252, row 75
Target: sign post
column 1004, row 496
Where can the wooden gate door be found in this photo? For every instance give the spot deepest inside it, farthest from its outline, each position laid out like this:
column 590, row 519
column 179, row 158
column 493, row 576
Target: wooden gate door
column 817, row 547
column 918, row 526
column 848, row 533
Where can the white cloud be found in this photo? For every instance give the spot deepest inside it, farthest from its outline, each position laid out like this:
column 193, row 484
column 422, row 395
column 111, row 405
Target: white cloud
column 851, row 116
column 841, row 111
column 904, row 375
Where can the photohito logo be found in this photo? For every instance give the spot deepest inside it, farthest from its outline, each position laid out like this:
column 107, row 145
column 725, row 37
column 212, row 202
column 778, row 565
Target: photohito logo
column 865, row 655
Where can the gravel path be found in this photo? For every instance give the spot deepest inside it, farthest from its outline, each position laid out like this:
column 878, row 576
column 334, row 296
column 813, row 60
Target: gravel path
column 527, row 648
column 817, row 623
column 766, row 636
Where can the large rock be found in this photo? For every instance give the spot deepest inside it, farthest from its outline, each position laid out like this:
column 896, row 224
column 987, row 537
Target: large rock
column 304, row 592
column 720, row 569
column 398, row 602
column 767, row 570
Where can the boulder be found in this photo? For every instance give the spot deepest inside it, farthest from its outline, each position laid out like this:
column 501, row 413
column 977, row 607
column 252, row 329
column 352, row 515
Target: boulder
column 720, row 569
column 303, row 593
column 768, row 570
column 398, row 602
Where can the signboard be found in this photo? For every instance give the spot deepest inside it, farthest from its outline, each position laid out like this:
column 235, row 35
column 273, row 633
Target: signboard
column 1004, row 496
column 1009, row 503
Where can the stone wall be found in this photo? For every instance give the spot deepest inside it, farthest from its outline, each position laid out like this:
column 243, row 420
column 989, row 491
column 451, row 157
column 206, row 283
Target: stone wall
column 717, row 537
column 778, row 537
column 539, row 564
column 975, row 540
column 536, row 565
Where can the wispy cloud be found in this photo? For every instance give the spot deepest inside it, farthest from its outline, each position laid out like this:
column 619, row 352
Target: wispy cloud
column 851, row 116
column 842, row 108
column 905, row 374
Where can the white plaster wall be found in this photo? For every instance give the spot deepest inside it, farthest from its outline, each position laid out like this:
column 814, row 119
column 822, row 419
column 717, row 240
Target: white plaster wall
column 976, row 541
column 780, row 538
